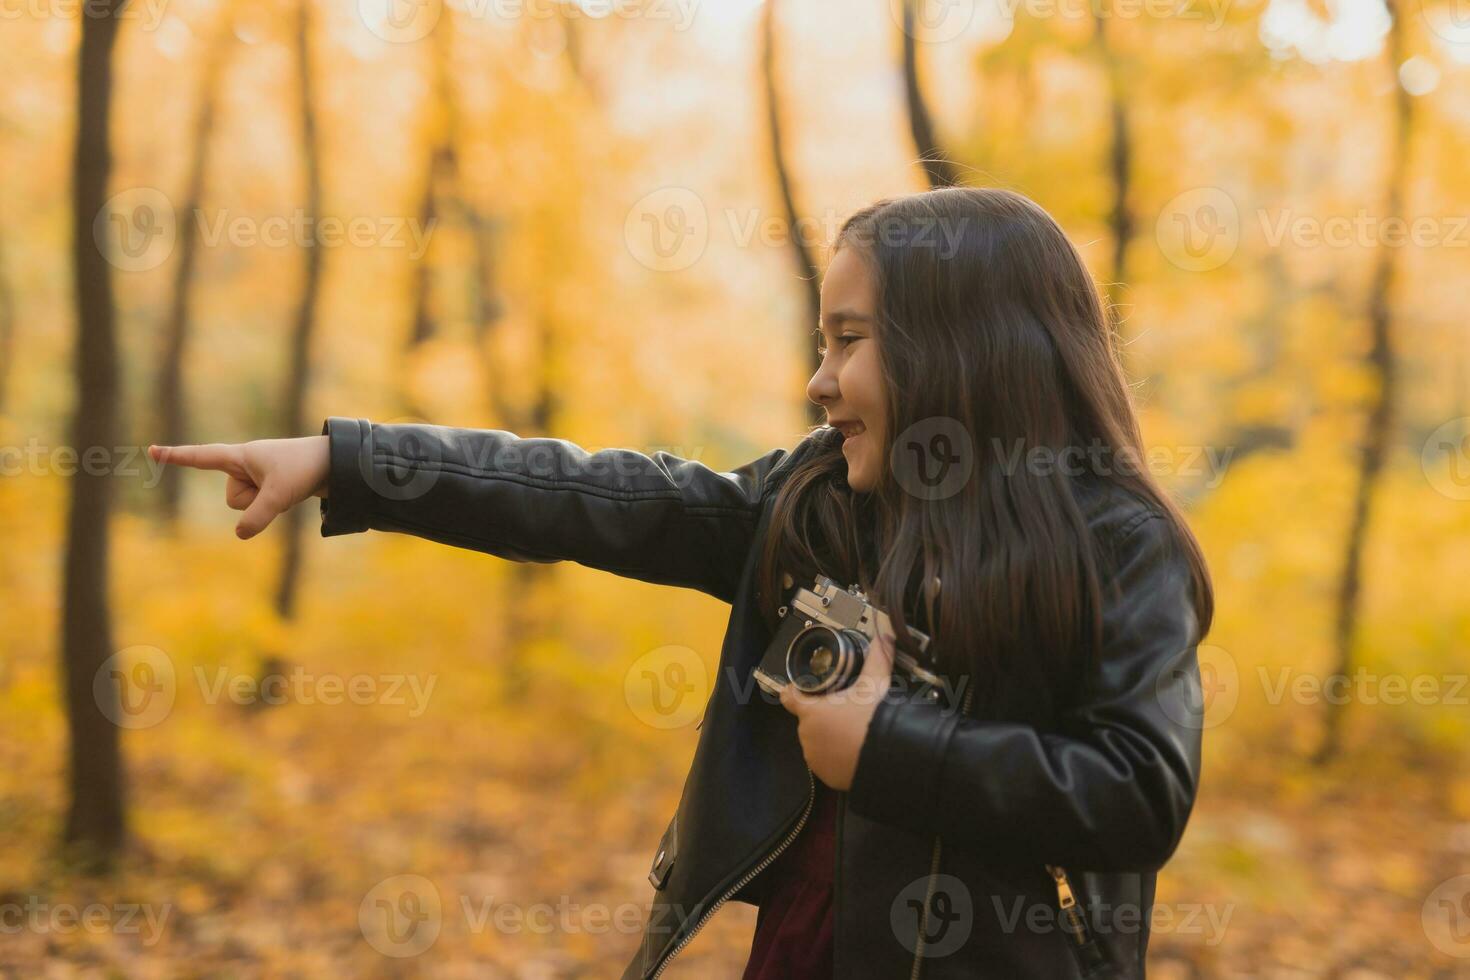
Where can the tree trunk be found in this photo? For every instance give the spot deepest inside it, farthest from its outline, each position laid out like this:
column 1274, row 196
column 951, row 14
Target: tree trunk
column 442, row 174
column 1120, row 168
column 801, row 253
column 529, row 611
column 444, row 191
column 96, row 823
column 422, row 328
column 572, row 33
column 172, row 410
column 1381, row 361
column 422, row 324
column 937, row 166
column 294, row 414
column 489, row 308
column 441, row 179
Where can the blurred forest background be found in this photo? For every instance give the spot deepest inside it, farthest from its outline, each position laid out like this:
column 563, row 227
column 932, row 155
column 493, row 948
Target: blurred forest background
column 601, row 221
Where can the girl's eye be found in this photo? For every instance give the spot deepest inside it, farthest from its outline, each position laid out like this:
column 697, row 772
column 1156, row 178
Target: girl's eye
column 842, row 342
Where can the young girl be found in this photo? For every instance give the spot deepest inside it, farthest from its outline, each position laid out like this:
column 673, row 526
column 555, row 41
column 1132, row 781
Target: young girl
column 981, row 480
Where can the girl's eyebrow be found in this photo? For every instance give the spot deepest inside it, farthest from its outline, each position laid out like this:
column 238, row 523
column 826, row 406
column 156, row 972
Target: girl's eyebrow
column 836, row 317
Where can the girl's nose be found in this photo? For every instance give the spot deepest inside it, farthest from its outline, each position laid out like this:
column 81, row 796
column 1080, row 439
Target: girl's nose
column 822, row 388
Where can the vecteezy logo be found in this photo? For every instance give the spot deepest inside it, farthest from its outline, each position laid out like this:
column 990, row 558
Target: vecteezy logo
column 1199, row 230
column 401, row 916
column 665, row 687
column 1450, row 19
column 933, row 458
column 135, row 687
column 136, row 229
column 1446, row 917
column 400, row 21
column 403, row 463
column 934, row 21
column 667, row 230
column 1208, row 702
column 1445, row 459
column 941, row 917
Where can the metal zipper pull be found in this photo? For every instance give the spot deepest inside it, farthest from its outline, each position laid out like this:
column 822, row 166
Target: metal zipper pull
column 1090, row 954
column 1064, row 887
column 1067, row 899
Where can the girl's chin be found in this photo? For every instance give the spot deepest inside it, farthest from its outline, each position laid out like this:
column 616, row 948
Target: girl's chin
column 858, row 476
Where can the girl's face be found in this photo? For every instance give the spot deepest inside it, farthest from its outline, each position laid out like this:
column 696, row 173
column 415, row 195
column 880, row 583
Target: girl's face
column 849, row 383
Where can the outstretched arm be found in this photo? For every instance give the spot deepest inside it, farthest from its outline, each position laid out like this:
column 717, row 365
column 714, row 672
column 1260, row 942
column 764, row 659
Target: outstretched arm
column 656, row 517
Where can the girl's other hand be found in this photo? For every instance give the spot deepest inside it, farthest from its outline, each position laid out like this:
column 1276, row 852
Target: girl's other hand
column 267, row 477
column 831, row 727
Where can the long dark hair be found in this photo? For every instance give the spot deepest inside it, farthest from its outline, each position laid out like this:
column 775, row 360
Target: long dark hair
column 987, row 321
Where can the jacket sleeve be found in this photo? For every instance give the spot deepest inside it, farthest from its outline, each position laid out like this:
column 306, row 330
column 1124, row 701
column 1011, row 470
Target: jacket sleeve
column 1111, row 786
column 654, row 517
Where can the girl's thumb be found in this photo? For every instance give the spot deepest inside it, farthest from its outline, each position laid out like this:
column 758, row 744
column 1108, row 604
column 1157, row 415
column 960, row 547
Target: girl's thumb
column 262, row 510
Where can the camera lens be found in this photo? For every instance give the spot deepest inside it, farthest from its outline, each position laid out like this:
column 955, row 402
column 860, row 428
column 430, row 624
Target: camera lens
column 823, row 659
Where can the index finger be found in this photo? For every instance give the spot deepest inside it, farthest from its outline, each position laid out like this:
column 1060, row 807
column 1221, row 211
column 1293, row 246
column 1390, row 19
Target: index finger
column 210, row 456
column 887, row 651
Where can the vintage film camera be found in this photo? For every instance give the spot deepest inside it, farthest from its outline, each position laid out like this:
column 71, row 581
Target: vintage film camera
column 823, row 639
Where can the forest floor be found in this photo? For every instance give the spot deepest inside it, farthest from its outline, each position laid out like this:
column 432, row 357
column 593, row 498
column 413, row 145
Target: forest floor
column 1330, row 880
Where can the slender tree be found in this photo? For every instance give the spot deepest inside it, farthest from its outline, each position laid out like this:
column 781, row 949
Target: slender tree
column 571, row 28
column 1381, row 362
column 1120, row 156
column 441, row 174
column 445, row 195
column 96, row 814
column 293, row 418
column 801, row 253
column 938, row 168
column 489, row 309
column 531, row 582
column 172, row 397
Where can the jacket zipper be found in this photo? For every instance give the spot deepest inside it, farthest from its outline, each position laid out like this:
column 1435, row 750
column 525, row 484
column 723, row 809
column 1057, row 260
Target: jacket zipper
column 811, row 795
column 924, row 912
column 1089, row 955
column 933, row 876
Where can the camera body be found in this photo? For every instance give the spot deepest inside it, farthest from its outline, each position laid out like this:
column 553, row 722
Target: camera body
column 823, row 639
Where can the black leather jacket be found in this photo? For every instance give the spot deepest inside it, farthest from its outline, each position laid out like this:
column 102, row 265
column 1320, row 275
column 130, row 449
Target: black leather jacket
column 989, row 831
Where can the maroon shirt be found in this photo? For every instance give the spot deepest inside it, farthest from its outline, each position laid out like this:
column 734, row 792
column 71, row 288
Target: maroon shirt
column 793, row 930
